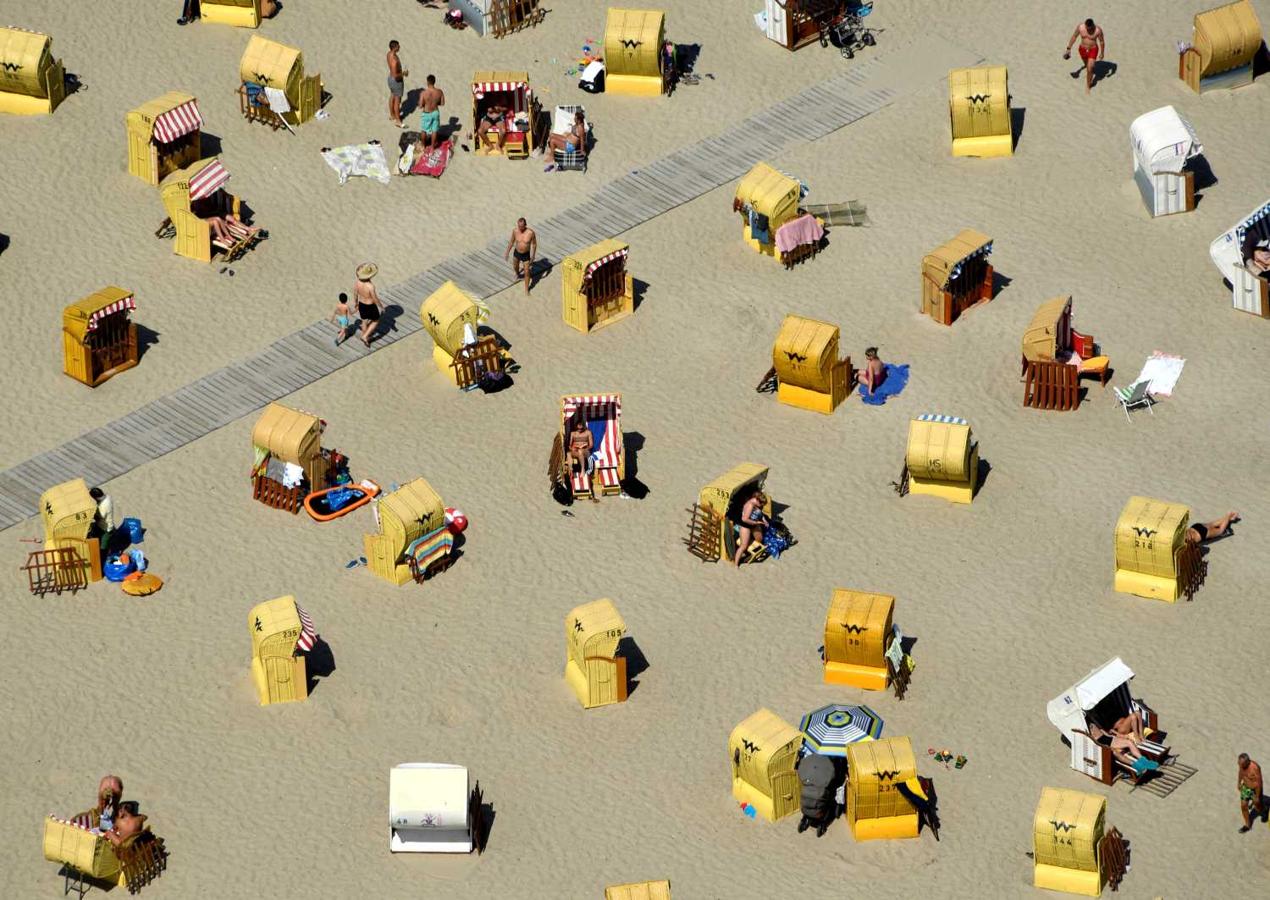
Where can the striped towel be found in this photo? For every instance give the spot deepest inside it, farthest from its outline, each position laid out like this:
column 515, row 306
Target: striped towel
column 431, row 547
column 947, row 420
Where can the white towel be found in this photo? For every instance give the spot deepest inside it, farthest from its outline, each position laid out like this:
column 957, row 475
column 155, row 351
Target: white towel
column 277, row 100
column 1163, row 371
column 292, row 475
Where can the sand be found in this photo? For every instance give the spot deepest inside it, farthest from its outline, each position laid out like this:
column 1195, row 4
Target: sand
column 1010, row 599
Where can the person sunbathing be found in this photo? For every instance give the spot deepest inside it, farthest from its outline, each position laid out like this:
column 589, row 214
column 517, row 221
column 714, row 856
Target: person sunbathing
column 222, row 232
column 127, row 825
column 574, row 140
column 752, row 524
column 109, row 796
column 495, row 120
column 1130, row 726
column 1123, row 747
column 581, row 443
column 874, row 371
column 1202, row 532
column 1259, row 262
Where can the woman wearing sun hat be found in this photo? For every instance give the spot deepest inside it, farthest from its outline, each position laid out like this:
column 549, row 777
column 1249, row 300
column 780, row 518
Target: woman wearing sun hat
column 369, row 306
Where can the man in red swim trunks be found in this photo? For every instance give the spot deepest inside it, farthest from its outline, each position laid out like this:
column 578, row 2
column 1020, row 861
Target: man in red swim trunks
column 1092, row 46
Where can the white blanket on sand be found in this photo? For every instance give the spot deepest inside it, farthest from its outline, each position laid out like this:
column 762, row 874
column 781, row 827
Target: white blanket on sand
column 358, row 159
column 1163, row 371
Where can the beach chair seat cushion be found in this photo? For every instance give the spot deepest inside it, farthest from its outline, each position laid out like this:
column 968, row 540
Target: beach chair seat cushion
column 569, row 160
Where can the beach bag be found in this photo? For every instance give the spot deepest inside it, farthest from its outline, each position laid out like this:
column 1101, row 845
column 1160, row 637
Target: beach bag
column 592, row 80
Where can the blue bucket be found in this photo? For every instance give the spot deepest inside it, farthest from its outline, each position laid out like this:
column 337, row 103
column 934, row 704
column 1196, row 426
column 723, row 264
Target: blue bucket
column 136, row 534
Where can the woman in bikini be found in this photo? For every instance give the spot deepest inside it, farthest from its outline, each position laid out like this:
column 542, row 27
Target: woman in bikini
column 574, row 140
column 1202, row 532
column 369, row 306
column 752, row 523
column 581, row 443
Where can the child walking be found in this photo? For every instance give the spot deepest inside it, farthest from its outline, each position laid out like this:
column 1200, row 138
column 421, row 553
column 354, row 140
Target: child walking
column 342, row 316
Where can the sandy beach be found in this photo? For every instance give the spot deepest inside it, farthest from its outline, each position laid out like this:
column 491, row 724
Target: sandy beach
column 1010, row 599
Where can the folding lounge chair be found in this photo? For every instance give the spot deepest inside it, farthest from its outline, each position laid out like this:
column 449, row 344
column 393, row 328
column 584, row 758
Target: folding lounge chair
column 1133, row 396
column 243, row 239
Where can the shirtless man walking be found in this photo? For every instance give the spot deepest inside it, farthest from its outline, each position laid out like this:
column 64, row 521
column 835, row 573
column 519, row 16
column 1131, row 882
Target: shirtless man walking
column 430, row 103
column 396, row 84
column 1092, row 45
column 1251, row 797
column 525, row 243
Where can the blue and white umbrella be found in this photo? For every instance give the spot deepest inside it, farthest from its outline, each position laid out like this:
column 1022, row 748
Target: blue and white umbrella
column 831, row 728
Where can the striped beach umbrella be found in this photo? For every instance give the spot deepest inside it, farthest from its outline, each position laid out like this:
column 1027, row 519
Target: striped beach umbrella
column 828, row 730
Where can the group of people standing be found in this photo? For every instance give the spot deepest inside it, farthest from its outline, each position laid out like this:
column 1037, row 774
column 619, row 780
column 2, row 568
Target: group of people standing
column 431, row 99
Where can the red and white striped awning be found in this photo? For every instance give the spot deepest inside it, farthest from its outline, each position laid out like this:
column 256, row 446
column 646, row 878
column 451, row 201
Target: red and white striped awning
column 178, row 122
column 208, row 181
column 593, row 405
column 490, row 87
column 125, row 303
column 607, row 258
column 308, row 631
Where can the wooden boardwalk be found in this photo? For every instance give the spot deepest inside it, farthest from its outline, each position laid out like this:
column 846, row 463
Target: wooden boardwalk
column 303, row 357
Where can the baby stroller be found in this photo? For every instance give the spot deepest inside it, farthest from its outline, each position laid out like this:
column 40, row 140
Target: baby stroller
column 849, row 33
column 816, row 775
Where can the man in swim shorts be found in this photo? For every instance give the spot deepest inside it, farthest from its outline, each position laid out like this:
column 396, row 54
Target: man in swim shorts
column 525, row 243
column 430, row 103
column 396, row 84
column 1092, row 45
column 1251, row 793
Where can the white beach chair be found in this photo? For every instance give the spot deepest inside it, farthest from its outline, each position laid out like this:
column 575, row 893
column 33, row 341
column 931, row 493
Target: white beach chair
column 1135, row 395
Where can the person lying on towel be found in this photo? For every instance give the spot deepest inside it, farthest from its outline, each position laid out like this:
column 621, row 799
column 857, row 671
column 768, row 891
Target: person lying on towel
column 574, row 141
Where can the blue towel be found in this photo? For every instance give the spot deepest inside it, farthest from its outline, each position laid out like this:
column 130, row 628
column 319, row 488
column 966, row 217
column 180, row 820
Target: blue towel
column 775, row 542
column 895, row 381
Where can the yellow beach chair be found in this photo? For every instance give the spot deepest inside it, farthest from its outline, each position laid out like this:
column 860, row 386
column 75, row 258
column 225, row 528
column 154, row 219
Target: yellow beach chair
column 98, row 339
column 164, row 135
column 1223, row 49
column 32, row 82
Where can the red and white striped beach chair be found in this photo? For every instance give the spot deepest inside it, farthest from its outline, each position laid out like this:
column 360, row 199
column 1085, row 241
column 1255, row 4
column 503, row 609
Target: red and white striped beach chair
column 603, row 414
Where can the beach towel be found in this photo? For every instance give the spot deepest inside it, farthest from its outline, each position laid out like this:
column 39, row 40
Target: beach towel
column 775, row 541
column 254, row 92
column 433, row 162
column 1163, row 371
column 895, row 381
column 358, row 159
column 277, row 100
column 431, row 547
column 797, row 232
